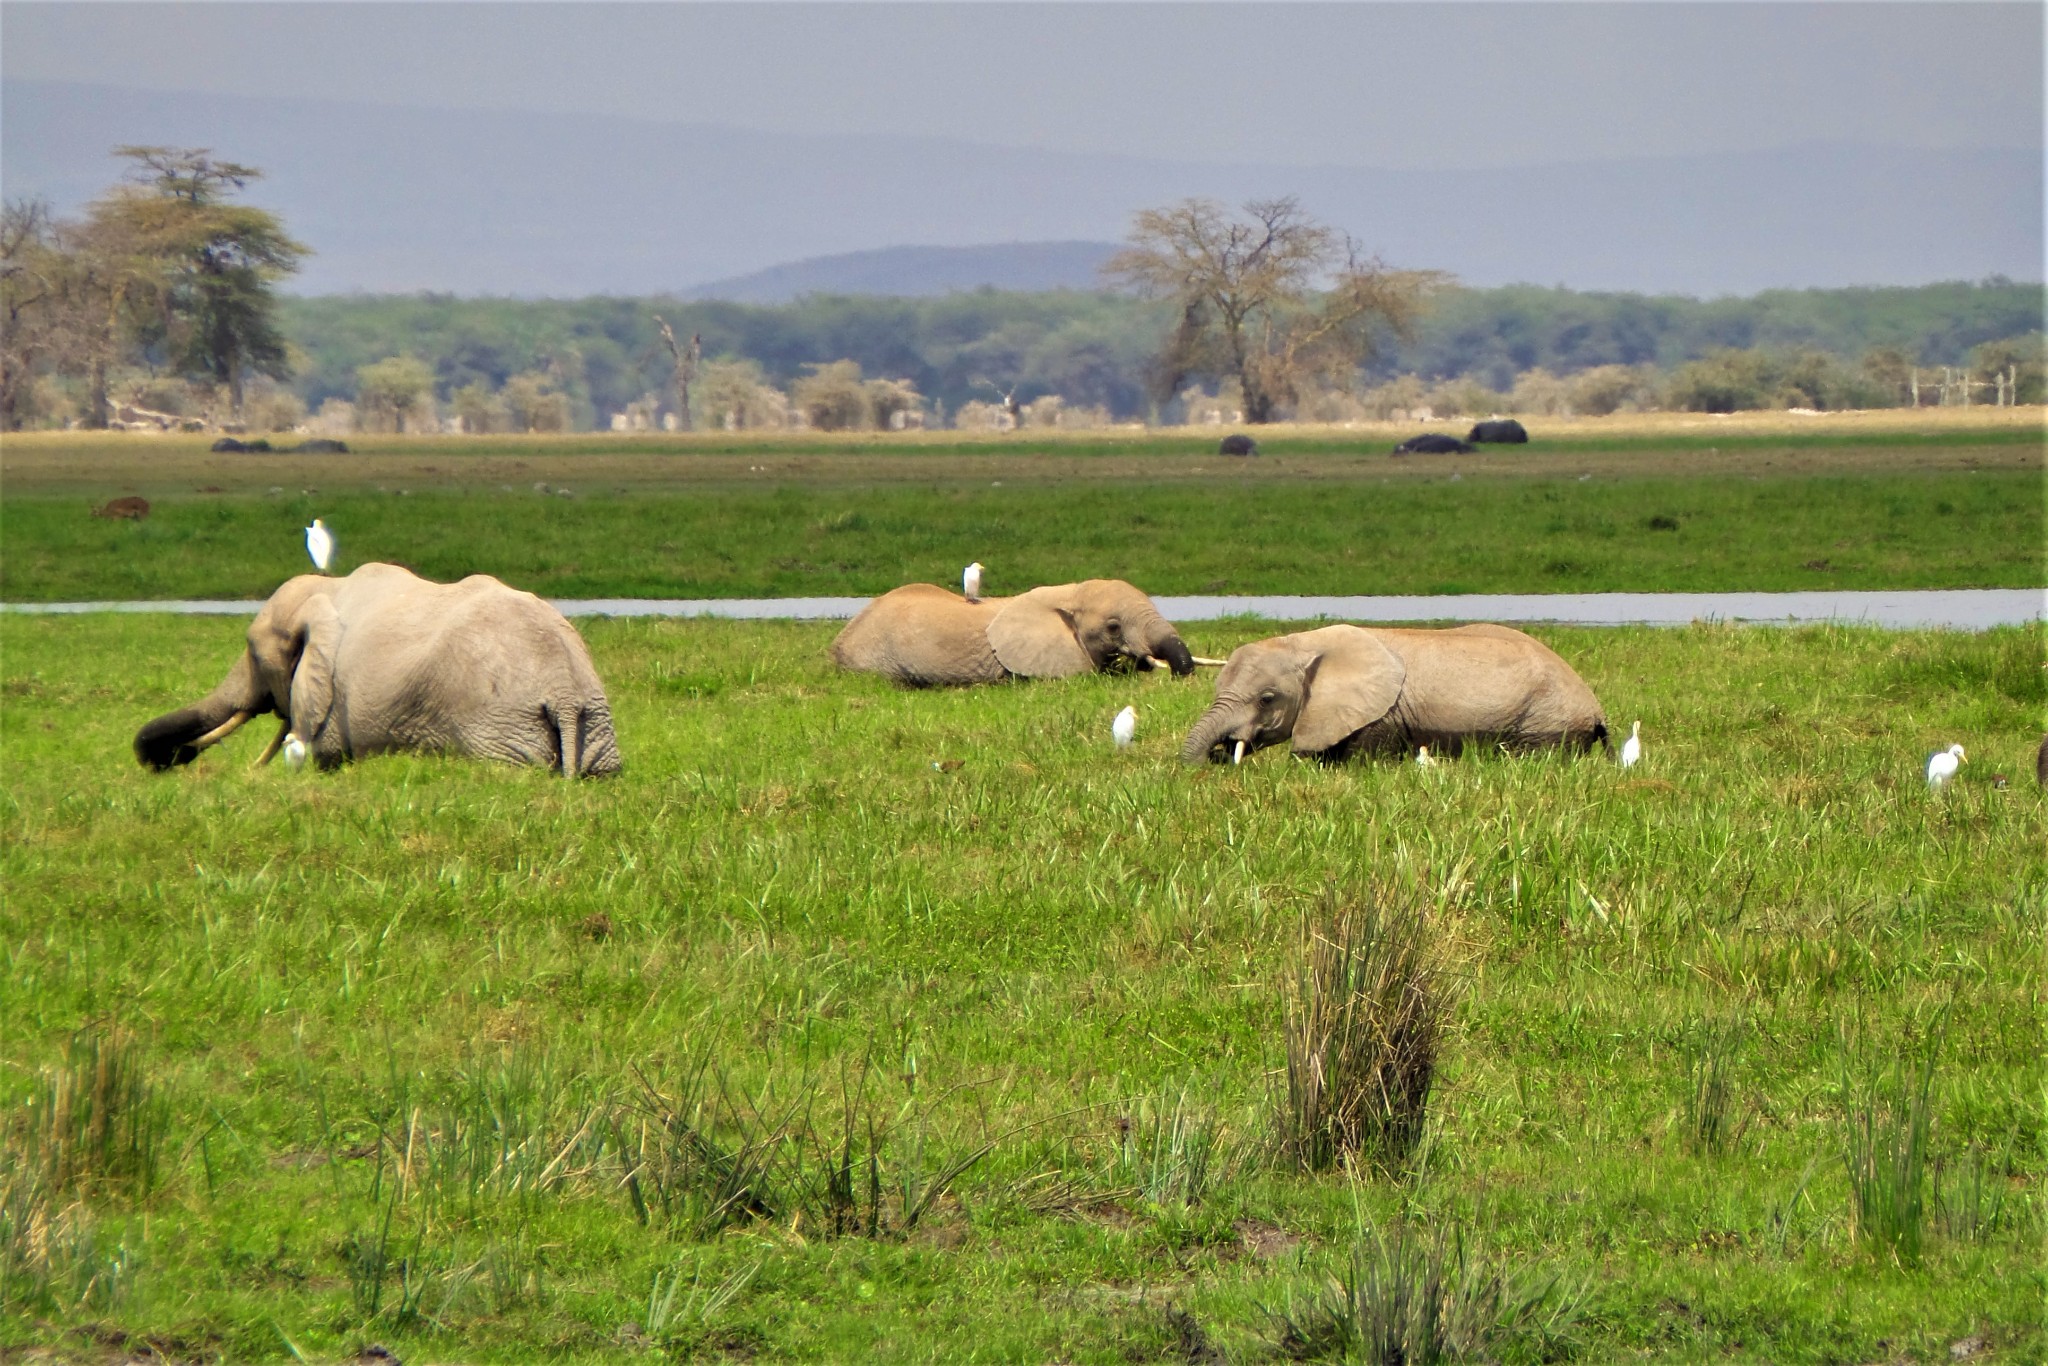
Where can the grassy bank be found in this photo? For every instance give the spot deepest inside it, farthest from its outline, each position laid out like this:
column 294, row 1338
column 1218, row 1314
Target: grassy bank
column 403, row 1033
column 1848, row 506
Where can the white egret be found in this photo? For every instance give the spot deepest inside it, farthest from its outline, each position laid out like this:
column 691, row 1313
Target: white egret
column 970, row 582
column 1125, row 727
column 320, row 545
column 1942, row 766
column 294, row 752
column 1632, row 748
column 1422, row 759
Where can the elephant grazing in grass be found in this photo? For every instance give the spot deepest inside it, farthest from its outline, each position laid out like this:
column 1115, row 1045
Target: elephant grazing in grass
column 1345, row 690
column 384, row 660
column 922, row 635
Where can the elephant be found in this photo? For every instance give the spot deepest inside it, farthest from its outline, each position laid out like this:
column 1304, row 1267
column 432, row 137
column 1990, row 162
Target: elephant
column 1344, row 690
column 922, row 635
column 1237, row 444
column 384, row 660
column 1433, row 443
column 1500, row 429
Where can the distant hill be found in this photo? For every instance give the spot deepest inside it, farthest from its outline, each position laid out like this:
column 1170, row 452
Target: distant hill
column 480, row 202
column 916, row 272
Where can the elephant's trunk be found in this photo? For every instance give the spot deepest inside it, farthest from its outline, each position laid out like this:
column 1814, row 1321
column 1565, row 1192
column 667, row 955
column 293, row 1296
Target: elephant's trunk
column 1175, row 652
column 1209, row 733
column 178, row 737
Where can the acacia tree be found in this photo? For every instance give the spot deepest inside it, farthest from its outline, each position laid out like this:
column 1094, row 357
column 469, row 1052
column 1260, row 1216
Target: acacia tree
column 208, row 290
column 31, row 286
column 1270, row 298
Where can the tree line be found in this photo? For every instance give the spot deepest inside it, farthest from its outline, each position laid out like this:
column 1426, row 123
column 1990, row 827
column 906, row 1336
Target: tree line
column 163, row 297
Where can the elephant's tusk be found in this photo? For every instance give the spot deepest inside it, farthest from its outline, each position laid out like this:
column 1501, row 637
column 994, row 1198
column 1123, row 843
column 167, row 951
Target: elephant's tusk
column 1237, row 756
column 223, row 730
column 284, row 728
column 1209, row 663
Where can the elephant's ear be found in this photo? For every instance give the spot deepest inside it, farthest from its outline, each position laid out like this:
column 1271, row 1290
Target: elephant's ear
column 1352, row 682
column 313, row 680
column 1034, row 637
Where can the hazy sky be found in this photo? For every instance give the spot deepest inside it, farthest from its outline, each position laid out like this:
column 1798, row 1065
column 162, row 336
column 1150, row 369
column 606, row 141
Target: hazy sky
column 1393, row 85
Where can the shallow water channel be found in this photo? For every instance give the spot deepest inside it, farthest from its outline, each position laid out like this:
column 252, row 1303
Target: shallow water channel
column 1960, row 609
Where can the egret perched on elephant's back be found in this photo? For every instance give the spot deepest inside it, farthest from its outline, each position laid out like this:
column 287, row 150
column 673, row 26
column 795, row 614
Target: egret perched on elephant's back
column 1942, row 766
column 320, row 545
column 970, row 582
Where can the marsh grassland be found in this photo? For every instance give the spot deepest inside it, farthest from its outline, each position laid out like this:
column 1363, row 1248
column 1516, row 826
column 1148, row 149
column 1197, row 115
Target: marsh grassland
column 1654, row 503
column 858, row 1024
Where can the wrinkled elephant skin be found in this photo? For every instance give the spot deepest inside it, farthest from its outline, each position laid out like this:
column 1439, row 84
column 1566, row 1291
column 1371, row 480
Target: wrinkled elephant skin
column 384, row 660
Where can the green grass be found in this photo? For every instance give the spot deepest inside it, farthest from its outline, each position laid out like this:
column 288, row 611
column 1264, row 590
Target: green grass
column 851, row 530
column 407, row 1016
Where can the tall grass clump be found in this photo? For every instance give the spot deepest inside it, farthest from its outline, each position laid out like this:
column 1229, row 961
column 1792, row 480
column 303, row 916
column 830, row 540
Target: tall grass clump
column 1714, row 1114
column 1173, row 1152
column 700, row 1154
column 1413, row 1298
column 93, row 1126
column 1884, row 1149
column 1367, row 1008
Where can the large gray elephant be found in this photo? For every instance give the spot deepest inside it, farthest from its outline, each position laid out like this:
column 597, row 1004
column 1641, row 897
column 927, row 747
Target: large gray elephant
column 922, row 635
column 384, row 660
column 1345, row 690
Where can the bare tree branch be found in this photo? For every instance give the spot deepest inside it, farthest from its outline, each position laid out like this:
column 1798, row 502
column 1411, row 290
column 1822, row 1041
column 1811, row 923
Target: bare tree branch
column 1270, row 298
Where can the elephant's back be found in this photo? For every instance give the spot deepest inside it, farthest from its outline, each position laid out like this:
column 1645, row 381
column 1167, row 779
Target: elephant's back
column 474, row 648
column 1493, row 680
column 921, row 635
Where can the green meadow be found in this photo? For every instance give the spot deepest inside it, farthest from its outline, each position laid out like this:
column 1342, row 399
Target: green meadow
column 1326, row 511
column 850, row 1023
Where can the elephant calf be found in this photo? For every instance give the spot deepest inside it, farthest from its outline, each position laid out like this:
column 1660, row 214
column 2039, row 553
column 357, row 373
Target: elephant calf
column 384, row 660
column 1345, row 690
column 922, row 635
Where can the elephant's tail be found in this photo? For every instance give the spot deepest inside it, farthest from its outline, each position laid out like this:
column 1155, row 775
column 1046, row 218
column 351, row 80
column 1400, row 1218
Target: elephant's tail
column 1606, row 740
column 584, row 739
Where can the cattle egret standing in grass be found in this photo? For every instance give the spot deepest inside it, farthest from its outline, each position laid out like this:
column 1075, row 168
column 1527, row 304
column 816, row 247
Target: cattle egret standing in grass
column 970, row 582
column 294, row 752
column 1125, row 727
column 1943, row 766
column 1422, row 759
column 320, row 545
column 1632, row 748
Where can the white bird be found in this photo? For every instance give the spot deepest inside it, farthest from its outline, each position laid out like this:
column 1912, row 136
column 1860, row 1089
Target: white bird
column 1125, row 727
column 320, row 545
column 294, row 751
column 1942, row 766
column 970, row 582
column 1422, row 758
column 1632, row 748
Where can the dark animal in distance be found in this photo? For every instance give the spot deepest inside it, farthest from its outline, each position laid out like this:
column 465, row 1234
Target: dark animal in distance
column 228, row 445
column 2041, row 763
column 1504, row 429
column 1238, row 444
column 1432, row 443
column 132, row 508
